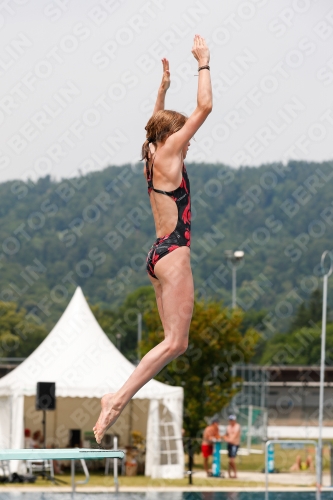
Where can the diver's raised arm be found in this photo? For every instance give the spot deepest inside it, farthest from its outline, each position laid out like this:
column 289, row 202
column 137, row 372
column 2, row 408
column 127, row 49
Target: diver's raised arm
column 165, row 84
column 201, row 53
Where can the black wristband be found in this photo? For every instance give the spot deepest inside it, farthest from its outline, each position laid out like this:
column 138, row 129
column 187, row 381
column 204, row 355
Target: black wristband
column 204, row 67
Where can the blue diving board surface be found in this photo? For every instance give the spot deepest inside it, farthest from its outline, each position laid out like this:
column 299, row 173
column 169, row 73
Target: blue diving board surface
column 60, row 454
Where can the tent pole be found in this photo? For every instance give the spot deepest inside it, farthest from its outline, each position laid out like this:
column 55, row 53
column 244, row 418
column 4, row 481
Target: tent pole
column 130, row 422
column 11, row 423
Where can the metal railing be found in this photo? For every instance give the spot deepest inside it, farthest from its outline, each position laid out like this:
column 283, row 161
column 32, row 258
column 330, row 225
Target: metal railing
column 115, row 466
column 86, row 473
column 326, row 275
column 290, row 441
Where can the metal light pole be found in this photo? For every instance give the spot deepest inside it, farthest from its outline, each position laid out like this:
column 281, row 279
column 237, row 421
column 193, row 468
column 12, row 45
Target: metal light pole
column 234, row 301
column 322, row 365
column 235, row 257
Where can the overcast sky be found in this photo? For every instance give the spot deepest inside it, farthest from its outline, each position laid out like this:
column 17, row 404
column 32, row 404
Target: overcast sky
column 79, row 77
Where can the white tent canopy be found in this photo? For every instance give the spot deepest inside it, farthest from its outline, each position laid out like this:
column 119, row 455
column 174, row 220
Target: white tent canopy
column 83, row 362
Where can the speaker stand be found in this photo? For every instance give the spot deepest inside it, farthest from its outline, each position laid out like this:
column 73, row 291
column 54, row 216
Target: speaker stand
column 43, row 473
column 44, row 427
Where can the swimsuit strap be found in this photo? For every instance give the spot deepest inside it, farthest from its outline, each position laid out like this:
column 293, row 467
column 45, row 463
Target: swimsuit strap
column 168, row 193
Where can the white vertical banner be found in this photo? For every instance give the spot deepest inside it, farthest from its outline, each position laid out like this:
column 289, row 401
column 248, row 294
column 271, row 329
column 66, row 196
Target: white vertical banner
column 153, row 438
column 16, row 428
column 175, row 467
column 5, row 422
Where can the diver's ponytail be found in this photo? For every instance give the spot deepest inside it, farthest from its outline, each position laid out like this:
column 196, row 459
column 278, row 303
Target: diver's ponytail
column 145, row 150
column 162, row 124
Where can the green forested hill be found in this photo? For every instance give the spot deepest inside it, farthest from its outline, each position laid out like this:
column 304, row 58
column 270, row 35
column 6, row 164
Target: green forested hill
column 95, row 231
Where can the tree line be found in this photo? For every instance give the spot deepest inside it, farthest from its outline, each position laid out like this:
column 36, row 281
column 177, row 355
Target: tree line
column 94, row 231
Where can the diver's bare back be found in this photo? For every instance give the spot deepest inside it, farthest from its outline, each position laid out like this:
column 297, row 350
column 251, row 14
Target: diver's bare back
column 167, row 177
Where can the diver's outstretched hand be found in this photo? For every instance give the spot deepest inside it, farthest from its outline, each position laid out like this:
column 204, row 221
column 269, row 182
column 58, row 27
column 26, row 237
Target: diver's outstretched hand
column 200, row 50
column 165, row 83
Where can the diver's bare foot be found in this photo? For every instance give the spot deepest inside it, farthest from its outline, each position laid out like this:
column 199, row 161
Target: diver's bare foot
column 107, row 417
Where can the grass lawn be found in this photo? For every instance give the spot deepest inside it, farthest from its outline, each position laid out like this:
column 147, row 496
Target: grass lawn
column 284, row 459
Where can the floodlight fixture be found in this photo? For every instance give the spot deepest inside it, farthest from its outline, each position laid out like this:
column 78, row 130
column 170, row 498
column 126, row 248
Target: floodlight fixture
column 235, row 257
column 239, row 254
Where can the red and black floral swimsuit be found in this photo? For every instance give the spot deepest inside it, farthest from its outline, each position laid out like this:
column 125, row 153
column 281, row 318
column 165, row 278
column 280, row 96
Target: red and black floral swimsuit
column 181, row 236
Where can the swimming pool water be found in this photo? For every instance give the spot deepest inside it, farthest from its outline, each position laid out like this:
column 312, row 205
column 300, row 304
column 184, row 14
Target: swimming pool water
column 172, row 495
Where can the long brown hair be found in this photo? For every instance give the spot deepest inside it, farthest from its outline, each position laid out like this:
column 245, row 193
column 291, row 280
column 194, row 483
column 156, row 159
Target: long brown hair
column 160, row 126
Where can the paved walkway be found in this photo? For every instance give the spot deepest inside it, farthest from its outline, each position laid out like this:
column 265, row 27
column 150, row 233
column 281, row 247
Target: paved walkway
column 284, row 478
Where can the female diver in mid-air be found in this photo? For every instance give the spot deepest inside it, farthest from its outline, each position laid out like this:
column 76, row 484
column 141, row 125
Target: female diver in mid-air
column 168, row 262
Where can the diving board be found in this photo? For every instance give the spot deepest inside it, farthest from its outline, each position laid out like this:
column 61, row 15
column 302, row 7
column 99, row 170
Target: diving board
column 60, row 454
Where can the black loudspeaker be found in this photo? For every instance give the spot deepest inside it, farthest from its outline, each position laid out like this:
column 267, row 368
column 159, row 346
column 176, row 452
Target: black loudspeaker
column 74, row 438
column 45, row 397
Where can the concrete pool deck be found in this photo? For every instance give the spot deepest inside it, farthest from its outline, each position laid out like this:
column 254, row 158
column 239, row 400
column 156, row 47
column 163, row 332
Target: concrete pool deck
column 302, row 481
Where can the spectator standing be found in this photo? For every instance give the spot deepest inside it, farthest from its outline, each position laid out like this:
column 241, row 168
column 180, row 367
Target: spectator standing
column 210, row 434
column 232, row 437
